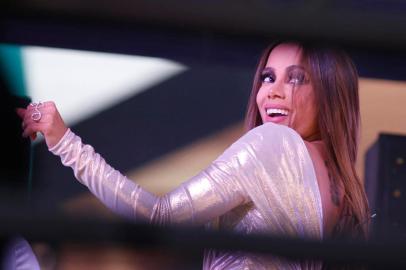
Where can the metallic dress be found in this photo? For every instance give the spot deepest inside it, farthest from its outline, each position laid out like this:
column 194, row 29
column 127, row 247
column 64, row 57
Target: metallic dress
column 263, row 183
column 18, row 255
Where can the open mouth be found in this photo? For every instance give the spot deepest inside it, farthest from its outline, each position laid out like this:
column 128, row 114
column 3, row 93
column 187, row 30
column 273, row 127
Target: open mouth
column 276, row 112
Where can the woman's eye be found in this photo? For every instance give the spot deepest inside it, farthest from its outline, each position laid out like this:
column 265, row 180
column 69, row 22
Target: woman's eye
column 295, row 81
column 267, row 78
column 297, row 78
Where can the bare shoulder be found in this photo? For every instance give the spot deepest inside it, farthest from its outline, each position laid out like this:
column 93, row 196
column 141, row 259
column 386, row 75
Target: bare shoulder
column 331, row 195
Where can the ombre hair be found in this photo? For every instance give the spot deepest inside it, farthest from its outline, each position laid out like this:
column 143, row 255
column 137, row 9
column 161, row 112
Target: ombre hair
column 335, row 82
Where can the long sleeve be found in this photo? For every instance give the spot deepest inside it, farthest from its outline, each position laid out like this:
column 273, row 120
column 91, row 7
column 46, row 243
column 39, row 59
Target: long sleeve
column 18, row 255
column 269, row 166
column 209, row 194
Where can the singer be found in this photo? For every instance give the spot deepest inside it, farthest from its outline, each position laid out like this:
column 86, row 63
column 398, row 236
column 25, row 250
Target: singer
column 292, row 173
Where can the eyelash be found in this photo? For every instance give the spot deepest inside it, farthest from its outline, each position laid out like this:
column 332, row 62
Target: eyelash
column 267, row 77
column 299, row 77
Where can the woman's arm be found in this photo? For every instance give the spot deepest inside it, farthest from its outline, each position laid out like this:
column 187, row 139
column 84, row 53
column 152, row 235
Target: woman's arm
column 18, row 255
column 209, row 194
column 269, row 166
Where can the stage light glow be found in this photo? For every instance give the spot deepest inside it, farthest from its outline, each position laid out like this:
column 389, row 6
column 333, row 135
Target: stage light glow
column 83, row 83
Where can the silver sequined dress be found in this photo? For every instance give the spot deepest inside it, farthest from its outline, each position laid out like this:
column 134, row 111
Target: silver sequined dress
column 264, row 182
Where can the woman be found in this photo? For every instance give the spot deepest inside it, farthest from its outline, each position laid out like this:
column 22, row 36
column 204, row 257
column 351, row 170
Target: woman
column 292, row 173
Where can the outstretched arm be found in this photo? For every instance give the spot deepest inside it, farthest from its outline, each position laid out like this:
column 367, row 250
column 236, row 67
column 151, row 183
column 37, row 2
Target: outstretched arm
column 209, row 194
column 269, row 166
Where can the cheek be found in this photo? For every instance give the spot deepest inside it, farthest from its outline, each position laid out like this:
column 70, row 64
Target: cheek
column 261, row 96
column 258, row 98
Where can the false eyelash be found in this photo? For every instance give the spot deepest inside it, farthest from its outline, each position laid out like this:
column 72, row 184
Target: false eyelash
column 266, row 74
column 300, row 78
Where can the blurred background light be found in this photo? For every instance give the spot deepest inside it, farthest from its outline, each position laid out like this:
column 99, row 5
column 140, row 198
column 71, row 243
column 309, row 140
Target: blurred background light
column 84, row 83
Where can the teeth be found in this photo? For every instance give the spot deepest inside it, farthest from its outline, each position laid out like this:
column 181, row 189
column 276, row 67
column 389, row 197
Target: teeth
column 275, row 111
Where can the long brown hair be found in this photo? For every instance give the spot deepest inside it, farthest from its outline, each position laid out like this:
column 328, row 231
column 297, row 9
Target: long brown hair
column 335, row 82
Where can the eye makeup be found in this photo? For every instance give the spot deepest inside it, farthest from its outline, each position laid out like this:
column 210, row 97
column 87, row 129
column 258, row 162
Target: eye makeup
column 296, row 75
column 268, row 75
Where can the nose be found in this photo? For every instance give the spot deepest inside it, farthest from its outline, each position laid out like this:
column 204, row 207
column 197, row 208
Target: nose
column 276, row 90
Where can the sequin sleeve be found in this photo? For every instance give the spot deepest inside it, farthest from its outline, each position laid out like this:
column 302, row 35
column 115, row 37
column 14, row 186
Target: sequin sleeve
column 269, row 166
column 18, row 255
column 211, row 193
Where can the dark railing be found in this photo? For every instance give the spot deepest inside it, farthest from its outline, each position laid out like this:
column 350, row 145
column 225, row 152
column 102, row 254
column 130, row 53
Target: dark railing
column 389, row 252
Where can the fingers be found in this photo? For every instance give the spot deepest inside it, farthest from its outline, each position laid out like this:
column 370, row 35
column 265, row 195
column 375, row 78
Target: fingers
column 31, row 129
column 46, row 104
column 36, row 113
column 29, row 121
column 29, row 125
column 44, row 118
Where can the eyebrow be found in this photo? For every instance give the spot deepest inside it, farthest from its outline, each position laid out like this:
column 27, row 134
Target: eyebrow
column 292, row 67
column 268, row 69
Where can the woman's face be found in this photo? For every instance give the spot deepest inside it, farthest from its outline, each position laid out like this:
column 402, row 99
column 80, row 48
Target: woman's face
column 286, row 95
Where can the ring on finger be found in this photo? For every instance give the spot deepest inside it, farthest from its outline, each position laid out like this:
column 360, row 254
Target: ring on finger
column 36, row 115
column 36, row 105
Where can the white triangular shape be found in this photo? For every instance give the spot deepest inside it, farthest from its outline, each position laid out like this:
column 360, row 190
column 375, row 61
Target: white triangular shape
column 84, row 83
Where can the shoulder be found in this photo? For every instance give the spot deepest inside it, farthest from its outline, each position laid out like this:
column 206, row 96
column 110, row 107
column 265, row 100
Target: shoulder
column 269, row 141
column 272, row 129
column 273, row 135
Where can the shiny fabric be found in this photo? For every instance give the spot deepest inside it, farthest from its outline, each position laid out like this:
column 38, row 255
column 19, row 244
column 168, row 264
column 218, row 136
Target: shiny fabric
column 18, row 255
column 264, row 182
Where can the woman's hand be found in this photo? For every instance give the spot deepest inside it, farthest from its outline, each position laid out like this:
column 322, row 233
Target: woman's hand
column 45, row 118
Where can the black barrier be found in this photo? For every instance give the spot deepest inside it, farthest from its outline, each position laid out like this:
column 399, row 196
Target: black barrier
column 356, row 23
column 189, row 240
